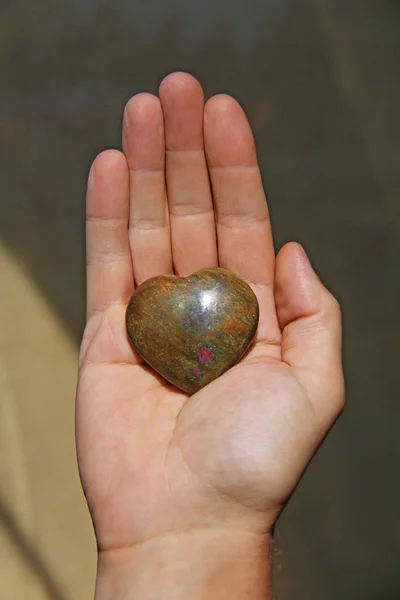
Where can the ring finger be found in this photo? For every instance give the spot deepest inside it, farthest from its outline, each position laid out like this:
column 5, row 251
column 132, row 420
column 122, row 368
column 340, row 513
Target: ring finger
column 144, row 147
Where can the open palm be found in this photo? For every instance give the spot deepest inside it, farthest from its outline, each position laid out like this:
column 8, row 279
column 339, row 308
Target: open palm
column 186, row 194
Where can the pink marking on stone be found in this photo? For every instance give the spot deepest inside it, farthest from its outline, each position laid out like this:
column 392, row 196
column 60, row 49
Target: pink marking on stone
column 196, row 372
column 206, row 355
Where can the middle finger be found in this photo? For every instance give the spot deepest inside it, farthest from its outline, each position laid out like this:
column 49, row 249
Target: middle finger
column 191, row 212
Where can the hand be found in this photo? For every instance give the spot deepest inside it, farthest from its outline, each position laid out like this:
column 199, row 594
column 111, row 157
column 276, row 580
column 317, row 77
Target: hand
column 178, row 484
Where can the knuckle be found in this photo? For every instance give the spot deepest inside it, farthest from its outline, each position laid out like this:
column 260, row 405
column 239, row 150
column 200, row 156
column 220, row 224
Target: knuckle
column 333, row 310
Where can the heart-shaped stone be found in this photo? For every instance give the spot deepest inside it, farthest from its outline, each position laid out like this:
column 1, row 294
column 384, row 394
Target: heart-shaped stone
column 192, row 329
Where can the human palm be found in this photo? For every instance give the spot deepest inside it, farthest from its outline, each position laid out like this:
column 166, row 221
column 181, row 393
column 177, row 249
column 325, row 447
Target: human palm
column 187, row 194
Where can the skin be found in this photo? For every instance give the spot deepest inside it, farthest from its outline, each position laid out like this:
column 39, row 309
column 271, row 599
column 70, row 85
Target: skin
column 184, row 491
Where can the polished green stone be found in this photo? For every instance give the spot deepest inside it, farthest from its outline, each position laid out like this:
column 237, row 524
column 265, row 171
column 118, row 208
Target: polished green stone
column 192, row 329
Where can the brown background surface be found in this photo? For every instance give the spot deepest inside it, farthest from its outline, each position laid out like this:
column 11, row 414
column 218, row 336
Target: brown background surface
column 320, row 82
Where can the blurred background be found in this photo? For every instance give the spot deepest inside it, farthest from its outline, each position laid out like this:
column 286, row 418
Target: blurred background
column 320, row 82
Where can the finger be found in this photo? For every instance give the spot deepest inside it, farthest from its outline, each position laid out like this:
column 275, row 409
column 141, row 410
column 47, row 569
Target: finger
column 189, row 195
column 312, row 334
column 109, row 266
column 144, row 147
column 245, row 244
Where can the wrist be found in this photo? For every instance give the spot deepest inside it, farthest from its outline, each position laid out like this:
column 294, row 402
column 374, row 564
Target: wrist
column 191, row 565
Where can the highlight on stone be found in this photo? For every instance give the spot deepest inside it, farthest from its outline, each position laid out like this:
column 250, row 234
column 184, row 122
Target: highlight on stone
column 192, row 329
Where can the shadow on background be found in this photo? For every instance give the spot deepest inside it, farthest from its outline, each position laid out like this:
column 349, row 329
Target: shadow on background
column 319, row 81
column 30, row 554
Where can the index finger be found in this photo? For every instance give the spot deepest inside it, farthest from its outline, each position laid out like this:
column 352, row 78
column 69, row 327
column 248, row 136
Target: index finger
column 245, row 244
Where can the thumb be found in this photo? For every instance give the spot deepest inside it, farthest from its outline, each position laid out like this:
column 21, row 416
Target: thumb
column 310, row 320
